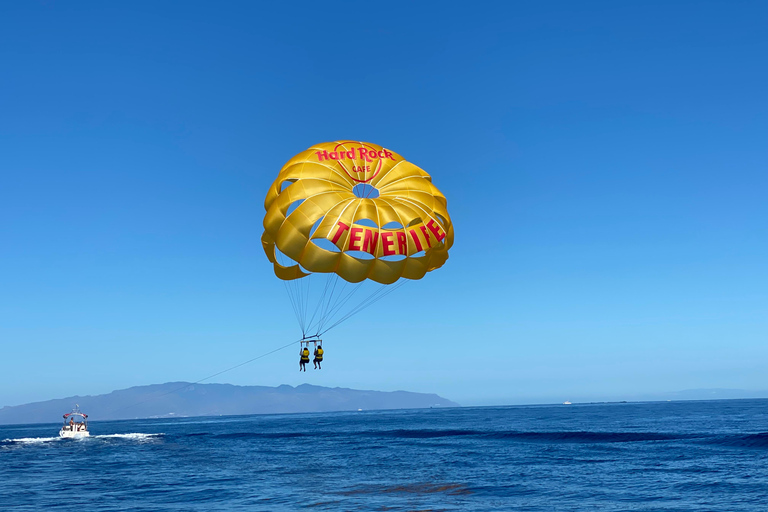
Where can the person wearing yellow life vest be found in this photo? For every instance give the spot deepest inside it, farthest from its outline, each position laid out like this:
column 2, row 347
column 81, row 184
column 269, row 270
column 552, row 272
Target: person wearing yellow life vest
column 318, row 357
column 304, row 359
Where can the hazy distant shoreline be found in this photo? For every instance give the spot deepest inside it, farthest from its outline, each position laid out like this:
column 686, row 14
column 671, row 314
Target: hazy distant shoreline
column 184, row 399
column 187, row 400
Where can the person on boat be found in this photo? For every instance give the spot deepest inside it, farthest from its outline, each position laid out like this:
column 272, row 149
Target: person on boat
column 304, row 359
column 71, row 423
column 318, row 357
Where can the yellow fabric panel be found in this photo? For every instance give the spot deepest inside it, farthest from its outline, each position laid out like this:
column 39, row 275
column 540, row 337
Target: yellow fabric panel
column 317, row 187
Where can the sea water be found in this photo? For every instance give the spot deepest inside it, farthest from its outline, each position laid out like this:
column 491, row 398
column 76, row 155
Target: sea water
column 662, row 456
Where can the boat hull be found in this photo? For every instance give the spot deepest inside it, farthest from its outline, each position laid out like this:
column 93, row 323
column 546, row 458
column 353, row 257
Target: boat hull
column 75, row 434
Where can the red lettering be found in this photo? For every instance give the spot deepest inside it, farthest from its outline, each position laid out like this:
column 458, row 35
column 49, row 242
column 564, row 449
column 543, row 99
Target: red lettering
column 434, row 228
column 416, row 240
column 402, row 243
column 364, row 154
column 387, row 243
column 354, row 239
column 342, row 228
column 426, row 235
column 369, row 241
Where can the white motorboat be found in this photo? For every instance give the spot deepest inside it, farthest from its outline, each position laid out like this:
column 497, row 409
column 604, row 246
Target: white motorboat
column 75, row 424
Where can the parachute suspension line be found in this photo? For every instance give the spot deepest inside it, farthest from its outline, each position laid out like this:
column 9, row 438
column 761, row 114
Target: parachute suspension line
column 332, row 278
column 320, row 302
column 372, row 299
column 332, row 300
column 293, row 303
column 335, row 279
column 332, row 305
column 297, row 285
column 306, row 302
column 208, row 377
column 341, row 301
column 369, row 301
column 298, row 293
column 329, row 302
column 297, row 296
column 344, row 300
column 300, row 296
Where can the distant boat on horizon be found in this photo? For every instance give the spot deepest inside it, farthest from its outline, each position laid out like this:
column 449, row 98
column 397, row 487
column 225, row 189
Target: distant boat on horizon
column 566, row 403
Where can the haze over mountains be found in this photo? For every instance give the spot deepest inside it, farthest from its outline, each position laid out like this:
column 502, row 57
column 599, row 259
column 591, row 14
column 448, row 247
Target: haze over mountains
column 179, row 399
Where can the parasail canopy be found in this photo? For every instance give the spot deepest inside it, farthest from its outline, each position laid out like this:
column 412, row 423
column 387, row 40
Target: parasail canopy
column 357, row 210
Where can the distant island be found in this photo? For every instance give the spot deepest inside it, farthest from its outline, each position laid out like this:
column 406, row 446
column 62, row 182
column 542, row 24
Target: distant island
column 183, row 399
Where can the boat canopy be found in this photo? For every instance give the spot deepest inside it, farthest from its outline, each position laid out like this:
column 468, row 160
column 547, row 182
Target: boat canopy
column 75, row 414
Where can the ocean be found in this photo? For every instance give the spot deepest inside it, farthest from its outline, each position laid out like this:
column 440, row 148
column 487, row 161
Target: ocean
column 656, row 456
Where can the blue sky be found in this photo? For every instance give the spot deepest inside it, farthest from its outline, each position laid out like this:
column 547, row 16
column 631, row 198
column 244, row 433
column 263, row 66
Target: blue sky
column 604, row 163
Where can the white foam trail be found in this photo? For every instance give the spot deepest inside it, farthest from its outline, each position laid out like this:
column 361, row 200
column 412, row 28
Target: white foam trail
column 38, row 440
column 134, row 435
column 32, row 440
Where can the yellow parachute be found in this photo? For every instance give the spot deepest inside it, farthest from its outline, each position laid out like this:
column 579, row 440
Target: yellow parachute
column 357, row 211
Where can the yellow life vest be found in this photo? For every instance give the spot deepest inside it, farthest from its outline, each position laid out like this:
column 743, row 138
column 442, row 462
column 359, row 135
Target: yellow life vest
column 305, row 355
column 319, row 354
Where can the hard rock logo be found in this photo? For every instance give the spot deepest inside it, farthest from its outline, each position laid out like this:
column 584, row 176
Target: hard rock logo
column 361, row 163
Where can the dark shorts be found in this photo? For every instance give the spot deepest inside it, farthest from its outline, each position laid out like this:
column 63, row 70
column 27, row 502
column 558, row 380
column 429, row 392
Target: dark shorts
column 316, row 360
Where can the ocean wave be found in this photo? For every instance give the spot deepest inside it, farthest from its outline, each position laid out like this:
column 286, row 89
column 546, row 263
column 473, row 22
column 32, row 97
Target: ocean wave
column 266, row 435
column 561, row 436
column 427, row 434
column 744, row 441
column 590, row 437
column 453, row 489
column 502, row 435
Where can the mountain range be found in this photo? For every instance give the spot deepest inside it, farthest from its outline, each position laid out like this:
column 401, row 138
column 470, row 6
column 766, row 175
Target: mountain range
column 180, row 399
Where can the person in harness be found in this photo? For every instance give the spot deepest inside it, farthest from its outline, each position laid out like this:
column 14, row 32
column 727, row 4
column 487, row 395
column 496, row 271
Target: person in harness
column 318, row 357
column 304, row 359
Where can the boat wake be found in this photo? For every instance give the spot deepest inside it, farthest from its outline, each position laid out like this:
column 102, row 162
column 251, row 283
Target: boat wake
column 134, row 436
column 30, row 440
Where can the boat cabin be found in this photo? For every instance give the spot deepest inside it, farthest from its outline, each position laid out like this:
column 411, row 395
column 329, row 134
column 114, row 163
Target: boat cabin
column 75, row 424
